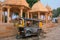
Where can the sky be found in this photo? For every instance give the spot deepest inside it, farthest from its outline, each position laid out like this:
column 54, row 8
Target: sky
column 52, row 3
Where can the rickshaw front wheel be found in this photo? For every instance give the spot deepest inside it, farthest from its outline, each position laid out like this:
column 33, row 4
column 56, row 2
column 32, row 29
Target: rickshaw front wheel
column 17, row 36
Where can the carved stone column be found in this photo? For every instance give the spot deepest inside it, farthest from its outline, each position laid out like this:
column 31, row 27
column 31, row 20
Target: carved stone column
column 8, row 16
column 50, row 14
column 28, row 14
column 21, row 11
column 1, row 12
column 38, row 15
column 46, row 17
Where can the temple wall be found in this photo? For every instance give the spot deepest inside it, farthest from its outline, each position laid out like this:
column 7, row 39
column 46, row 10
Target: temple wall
column 7, row 30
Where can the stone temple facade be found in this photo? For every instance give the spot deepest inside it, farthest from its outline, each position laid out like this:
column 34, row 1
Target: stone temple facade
column 22, row 7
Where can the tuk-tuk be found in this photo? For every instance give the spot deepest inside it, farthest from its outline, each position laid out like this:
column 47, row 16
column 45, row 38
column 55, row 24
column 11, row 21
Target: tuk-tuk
column 27, row 27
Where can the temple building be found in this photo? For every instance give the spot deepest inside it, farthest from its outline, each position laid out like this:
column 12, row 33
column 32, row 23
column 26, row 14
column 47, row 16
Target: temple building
column 49, row 13
column 17, row 6
column 21, row 7
column 42, row 13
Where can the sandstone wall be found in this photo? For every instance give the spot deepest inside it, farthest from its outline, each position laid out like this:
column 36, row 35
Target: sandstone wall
column 7, row 30
column 47, row 27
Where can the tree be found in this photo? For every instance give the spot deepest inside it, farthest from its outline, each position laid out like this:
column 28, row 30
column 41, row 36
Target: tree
column 31, row 2
column 56, row 12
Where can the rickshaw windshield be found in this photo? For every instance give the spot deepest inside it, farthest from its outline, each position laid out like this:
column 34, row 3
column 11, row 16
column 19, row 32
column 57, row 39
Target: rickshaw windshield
column 35, row 23
column 31, row 23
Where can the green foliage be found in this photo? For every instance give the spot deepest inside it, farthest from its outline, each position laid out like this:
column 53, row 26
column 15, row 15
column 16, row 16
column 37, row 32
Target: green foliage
column 56, row 12
column 31, row 2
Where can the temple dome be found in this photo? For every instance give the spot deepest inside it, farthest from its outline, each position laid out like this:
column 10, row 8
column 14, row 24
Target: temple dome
column 49, row 8
column 38, row 7
column 16, row 2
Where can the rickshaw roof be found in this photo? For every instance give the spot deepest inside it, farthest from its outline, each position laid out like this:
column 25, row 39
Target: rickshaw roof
column 31, row 19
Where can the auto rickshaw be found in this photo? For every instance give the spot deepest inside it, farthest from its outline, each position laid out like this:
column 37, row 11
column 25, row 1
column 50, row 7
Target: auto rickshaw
column 27, row 27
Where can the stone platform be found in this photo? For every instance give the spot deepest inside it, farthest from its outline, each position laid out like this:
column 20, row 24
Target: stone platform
column 7, row 30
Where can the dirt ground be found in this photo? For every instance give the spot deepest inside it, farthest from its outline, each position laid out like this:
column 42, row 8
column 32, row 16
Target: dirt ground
column 54, row 34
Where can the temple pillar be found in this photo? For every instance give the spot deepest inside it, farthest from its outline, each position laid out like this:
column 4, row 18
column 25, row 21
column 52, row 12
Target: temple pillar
column 28, row 14
column 38, row 15
column 46, row 17
column 50, row 14
column 1, row 15
column 21, row 12
column 8, row 16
